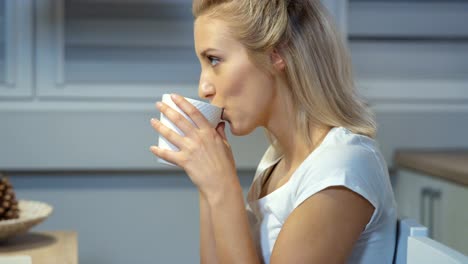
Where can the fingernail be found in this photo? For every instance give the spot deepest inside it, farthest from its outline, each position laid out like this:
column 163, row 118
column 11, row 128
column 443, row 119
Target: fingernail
column 159, row 105
column 175, row 96
column 153, row 120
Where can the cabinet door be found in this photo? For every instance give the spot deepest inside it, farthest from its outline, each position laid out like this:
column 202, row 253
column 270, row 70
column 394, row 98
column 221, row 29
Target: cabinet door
column 100, row 67
column 121, row 49
column 409, row 50
column 438, row 204
column 115, row 49
column 339, row 10
column 16, row 48
column 422, row 198
column 456, row 227
column 407, row 195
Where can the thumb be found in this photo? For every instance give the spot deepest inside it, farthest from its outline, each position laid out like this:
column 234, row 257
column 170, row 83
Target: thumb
column 220, row 129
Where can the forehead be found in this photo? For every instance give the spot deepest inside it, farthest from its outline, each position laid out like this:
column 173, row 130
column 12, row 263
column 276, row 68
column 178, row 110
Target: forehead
column 211, row 32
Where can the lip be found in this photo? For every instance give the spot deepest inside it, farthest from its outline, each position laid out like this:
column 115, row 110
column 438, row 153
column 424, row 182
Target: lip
column 224, row 117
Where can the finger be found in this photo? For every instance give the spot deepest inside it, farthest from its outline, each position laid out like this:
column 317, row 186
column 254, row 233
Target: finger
column 165, row 154
column 167, row 133
column 194, row 114
column 220, row 129
column 176, row 118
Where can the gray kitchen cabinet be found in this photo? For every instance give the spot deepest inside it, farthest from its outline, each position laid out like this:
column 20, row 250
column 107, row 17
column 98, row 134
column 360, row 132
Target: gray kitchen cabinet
column 91, row 72
column 16, row 49
column 127, row 50
column 85, row 74
column 339, row 10
column 131, row 50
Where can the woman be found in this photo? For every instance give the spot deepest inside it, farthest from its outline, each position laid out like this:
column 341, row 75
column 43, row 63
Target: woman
column 321, row 193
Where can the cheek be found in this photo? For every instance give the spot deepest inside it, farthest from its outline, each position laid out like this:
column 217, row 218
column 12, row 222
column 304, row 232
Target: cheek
column 251, row 91
column 239, row 78
column 247, row 92
column 235, row 85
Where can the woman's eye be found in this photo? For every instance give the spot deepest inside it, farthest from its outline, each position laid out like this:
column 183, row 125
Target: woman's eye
column 213, row 60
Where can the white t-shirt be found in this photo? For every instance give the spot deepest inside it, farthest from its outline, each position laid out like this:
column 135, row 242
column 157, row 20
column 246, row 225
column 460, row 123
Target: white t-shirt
column 342, row 159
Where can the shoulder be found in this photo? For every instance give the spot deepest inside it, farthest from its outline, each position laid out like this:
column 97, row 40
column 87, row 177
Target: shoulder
column 345, row 151
column 345, row 159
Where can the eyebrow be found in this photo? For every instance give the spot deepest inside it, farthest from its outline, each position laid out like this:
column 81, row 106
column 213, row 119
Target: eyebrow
column 203, row 53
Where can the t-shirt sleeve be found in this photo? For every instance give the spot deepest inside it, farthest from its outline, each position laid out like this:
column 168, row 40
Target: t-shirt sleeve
column 356, row 169
column 338, row 177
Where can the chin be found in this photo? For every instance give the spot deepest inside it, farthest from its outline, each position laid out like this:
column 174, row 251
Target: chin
column 239, row 130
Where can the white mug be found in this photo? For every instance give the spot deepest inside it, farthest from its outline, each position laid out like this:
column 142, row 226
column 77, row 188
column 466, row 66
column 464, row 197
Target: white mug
column 210, row 112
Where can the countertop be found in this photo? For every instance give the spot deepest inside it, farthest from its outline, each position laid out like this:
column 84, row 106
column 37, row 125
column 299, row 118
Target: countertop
column 451, row 165
column 54, row 247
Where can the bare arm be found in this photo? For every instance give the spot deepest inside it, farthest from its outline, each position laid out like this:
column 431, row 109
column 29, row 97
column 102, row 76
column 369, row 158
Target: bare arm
column 206, row 156
column 207, row 240
column 323, row 229
column 234, row 243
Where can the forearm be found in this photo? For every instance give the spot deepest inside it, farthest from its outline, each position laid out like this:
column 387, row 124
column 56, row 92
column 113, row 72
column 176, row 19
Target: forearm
column 207, row 240
column 234, row 243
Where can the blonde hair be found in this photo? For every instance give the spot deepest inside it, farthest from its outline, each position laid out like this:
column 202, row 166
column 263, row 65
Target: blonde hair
column 318, row 66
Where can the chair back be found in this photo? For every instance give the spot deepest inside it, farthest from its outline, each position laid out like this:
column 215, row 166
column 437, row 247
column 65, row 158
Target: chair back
column 426, row 250
column 406, row 228
column 413, row 246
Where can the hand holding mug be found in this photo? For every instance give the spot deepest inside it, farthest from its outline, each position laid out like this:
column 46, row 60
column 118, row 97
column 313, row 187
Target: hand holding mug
column 194, row 141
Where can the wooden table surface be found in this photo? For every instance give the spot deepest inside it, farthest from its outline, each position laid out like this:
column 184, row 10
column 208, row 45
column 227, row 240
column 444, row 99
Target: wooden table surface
column 55, row 247
column 450, row 165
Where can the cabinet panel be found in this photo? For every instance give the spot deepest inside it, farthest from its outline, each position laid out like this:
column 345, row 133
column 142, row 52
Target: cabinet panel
column 410, row 51
column 407, row 196
column 437, row 204
column 339, row 10
column 408, row 19
column 16, row 43
column 105, row 49
column 415, row 70
column 457, row 225
column 121, row 49
column 2, row 41
column 415, row 198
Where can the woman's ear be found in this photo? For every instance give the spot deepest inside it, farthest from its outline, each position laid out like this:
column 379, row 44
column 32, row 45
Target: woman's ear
column 277, row 60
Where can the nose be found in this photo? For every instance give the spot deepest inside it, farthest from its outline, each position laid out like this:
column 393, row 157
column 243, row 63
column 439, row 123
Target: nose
column 206, row 90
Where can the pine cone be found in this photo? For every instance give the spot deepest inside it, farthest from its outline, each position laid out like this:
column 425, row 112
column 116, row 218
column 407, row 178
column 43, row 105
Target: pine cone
column 8, row 203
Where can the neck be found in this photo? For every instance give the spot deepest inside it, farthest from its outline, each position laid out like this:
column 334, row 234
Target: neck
column 281, row 125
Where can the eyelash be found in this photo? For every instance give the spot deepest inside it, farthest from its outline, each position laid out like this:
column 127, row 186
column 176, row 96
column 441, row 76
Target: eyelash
column 211, row 59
